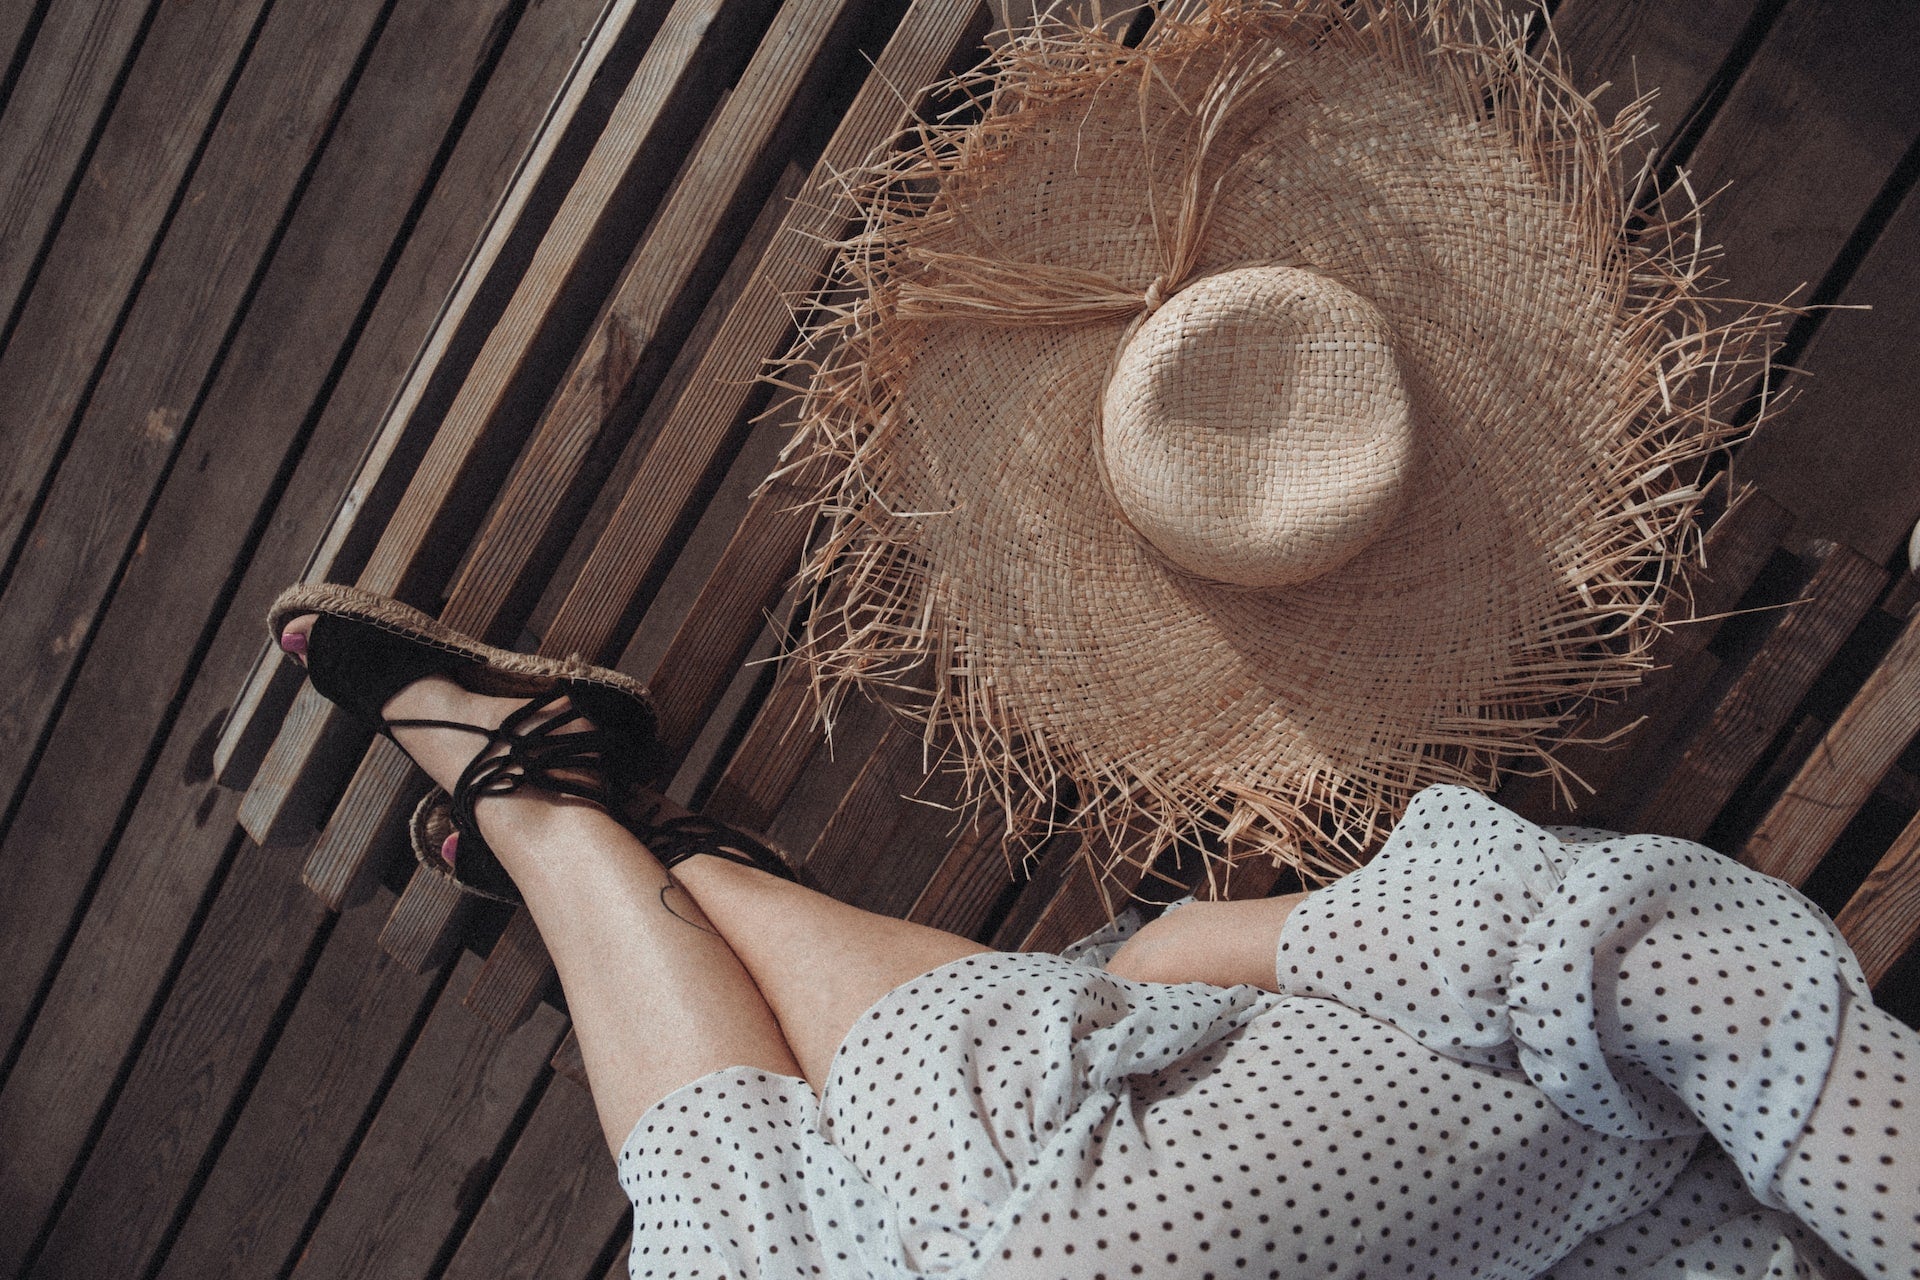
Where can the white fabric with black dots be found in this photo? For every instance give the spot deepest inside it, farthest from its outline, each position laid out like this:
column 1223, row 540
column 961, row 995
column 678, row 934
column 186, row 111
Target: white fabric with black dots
column 1495, row 1053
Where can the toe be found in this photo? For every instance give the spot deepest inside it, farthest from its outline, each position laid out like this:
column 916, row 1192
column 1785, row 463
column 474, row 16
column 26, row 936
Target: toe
column 293, row 637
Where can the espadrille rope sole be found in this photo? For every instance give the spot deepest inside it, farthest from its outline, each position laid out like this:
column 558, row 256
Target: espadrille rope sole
column 500, row 672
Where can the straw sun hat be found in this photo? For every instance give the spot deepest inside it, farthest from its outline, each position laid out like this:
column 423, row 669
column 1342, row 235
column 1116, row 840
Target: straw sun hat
column 1232, row 435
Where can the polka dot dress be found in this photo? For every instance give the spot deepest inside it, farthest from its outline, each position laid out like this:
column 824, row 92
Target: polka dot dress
column 1494, row 1053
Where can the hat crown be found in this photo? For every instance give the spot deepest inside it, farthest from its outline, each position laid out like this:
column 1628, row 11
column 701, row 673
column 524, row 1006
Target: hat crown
column 1255, row 428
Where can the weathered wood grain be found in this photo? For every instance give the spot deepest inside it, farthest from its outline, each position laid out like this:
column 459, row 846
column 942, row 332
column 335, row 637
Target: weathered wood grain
column 63, row 90
column 928, row 39
column 586, row 238
column 138, row 410
column 409, row 1189
column 1882, row 918
column 969, row 881
column 637, row 536
column 1841, row 455
column 1844, row 769
column 1640, row 46
column 198, row 531
column 18, row 22
column 1734, row 551
column 516, row 977
column 245, row 966
column 556, row 1202
column 327, row 1074
column 423, row 930
column 1807, row 137
column 890, row 830
column 730, row 165
column 569, row 1062
column 1079, row 905
column 344, row 862
column 730, row 610
column 1756, row 706
column 771, row 756
column 550, row 307
column 120, row 204
column 575, row 46
column 179, row 830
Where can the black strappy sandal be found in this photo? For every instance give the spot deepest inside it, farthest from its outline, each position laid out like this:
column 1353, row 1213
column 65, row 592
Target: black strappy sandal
column 365, row 648
column 670, row 835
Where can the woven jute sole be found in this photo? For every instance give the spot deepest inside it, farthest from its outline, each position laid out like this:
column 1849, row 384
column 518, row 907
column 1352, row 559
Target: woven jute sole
column 496, row 672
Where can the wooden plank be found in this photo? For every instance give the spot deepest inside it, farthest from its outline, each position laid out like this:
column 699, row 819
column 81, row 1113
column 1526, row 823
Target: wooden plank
column 1841, row 454
column 1734, row 551
column 1641, row 46
column 702, row 427
column 1903, row 597
column 969, row 882
column 327, row 1073
column 829, row 770
column 199, row 530
column 424, row 928
column 1882, row 918
column 889, row 831
column 171, row 340
column 1761, row 698
column 607, row 45
column 770, row 759
column 554, row 299
column 779, row 72
column 52, row 115
column 1079, row 905
column 345, row 860
column 180, row 829
column 94, row 263
column 730, row 166
column 1844, row 769
column 19, row 21
column 729, row 613
column 412, row 1184
column 569, row 1062
column 586, row 238
column 195, row 1067
column 1807, row 138
column 556, row 1203
column 516, row 977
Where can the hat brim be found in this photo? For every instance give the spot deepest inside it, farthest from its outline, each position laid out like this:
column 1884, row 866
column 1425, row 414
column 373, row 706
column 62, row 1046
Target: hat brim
column 1563, row 372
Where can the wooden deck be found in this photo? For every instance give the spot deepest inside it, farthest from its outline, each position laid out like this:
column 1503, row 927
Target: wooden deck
column 501, row 273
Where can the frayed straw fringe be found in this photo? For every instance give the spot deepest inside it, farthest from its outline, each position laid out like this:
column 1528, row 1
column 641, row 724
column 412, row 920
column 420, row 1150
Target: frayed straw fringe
column 883, row 626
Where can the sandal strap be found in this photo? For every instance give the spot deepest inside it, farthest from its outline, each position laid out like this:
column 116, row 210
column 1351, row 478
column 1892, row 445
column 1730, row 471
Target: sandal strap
column 674, row 840
column 535, row 755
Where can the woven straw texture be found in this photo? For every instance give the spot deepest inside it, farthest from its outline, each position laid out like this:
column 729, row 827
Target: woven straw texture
column 1257, row 600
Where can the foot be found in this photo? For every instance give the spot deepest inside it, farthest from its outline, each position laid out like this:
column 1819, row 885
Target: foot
column 443, row 753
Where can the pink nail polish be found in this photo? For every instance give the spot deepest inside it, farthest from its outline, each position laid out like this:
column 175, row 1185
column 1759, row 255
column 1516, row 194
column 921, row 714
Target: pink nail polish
column 450, row 848
column 294, row 642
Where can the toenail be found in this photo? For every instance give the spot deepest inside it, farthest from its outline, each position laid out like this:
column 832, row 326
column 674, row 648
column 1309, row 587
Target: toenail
column 294, row 642
column 450, row 849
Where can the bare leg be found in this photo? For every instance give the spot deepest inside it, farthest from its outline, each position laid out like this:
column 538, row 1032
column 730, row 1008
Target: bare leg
column 657, row 1000
column 819, row 963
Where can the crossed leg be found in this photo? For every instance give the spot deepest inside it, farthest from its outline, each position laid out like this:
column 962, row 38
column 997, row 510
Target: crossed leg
column 670, row 977
column 658, row 995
